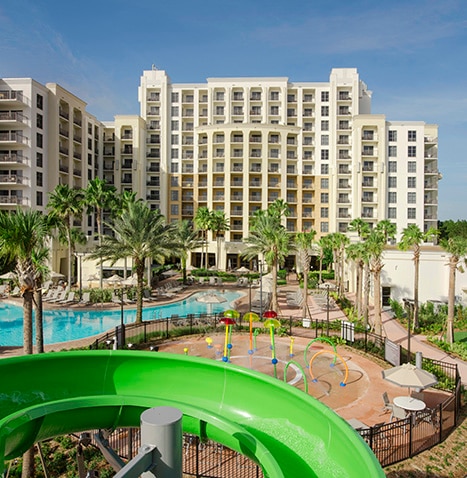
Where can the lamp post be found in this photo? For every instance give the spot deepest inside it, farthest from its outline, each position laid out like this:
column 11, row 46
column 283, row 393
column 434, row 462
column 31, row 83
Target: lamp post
column 327, row 307
column 80, row 256
column 122, row 323
column 260, row 265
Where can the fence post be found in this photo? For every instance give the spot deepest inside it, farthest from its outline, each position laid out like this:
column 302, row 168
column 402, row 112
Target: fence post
column 167, row 328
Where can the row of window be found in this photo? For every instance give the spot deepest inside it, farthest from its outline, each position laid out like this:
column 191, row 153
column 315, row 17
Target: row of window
column 411, row 151
column 411, row 135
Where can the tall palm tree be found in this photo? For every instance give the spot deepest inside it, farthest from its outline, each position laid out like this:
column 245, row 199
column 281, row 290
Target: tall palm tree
column 202, row 221
column 218, row 223
column 412, row 238
column 338, row 242
column 361, row 227
column 355, row 252
column 21, row 235
column 457, row 248
column 375, row 245
column 40, row 256
column 304, row 245
column 387, row 228
column 99, row 196
column 188, row 240
column 64, row 204
column 139, row 233
column 270, row 239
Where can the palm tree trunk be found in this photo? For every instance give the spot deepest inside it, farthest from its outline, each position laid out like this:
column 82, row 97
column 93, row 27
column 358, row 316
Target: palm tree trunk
column 451, row 300
column 377, row 305
column 305, row 288
column 415, row 292
column 139, row 292
column 99, row 233
column 38, row 320
column 359, row 288
column 28, row 470
column 274, row 301
column 27, row 325
column 366, row 294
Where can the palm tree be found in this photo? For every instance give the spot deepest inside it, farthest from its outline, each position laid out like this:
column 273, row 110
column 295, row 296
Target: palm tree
column 188, row 240
column 99, row 196
column 457, row 248
column 39, row 258
column 355, row 252
column 202, row 221
column 387, row 228
column 338, row 242
column 139, row 233
column 304, row 246
column 361, row 227
column 219, row 224
column 412, row 238
column 21, row 235
column 64, row 204
column 375, row 245
column 270, row 239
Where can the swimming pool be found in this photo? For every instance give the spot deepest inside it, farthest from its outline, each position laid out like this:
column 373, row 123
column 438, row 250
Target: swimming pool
column 63, row 325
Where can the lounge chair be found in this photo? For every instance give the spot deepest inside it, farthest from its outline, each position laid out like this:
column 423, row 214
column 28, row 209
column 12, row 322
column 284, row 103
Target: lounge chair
column 3, row 289
column 70, row 299
column 85, row 299
column 16, row 292
column 51, row 295
column 60, row 297
column 147, row 296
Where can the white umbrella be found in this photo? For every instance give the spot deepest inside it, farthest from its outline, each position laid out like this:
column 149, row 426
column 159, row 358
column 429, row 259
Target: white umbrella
column 243, row 270
column 115, row 279
column 8, row 276
column 93, row 277
column 410, row 376
column 211, row 298
column 170, row 273
column 130, row 281
column 56, row 275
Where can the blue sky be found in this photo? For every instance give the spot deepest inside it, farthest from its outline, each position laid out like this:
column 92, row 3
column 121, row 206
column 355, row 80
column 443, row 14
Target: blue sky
column 412, row 54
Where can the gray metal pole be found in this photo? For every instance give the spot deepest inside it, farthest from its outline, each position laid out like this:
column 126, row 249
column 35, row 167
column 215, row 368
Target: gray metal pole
column 162, row 427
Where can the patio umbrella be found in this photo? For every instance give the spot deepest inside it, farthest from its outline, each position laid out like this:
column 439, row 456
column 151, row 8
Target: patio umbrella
column 56, row 275
column 243, row 270
column 410, row 376
column 170, row 273
column 130, row 281
column 228, row 322
column 115, row 279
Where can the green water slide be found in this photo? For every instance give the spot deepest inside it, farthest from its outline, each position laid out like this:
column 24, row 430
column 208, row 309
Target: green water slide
column 287, row 432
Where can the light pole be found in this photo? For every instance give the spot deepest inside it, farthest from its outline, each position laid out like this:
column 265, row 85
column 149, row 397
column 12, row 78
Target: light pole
column 122, row 323
column 260, row 265
column 80, row 256
column 327, row 307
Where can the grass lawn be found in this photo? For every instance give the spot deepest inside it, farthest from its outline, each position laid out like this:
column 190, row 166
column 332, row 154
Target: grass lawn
column 460, row 336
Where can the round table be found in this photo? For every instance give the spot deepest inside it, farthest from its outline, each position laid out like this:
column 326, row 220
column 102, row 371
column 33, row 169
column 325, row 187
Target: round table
column 410, row 403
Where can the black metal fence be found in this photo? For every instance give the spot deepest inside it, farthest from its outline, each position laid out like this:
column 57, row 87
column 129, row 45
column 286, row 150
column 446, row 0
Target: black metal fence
column 391, row 442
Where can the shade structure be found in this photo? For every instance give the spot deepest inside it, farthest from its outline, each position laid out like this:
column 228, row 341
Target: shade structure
column 131, row 281
column 270, row 314
column 232, row 314
column 8, row 276
column 93, row 277
column 410, row 376
column 243, row 270
column 211, row 298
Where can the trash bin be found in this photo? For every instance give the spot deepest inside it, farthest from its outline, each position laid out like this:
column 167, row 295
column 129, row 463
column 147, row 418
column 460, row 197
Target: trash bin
column 306, row 322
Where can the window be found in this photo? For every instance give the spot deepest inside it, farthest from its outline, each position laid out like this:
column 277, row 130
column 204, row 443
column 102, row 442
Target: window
column 324, row 212
column 324, row 140
column 411, row 213
column 412, row 151
column 324, row 227
column 219, row 95
column 174, row 168
column 307, row 97
column 175, row 125
column 344, row 124
column 324, row 110
column 219, row 110
column 412, row 198
column 392, row 182
column 392, row 135
column 174, row 209
column 291, row 112
column 325, row 125
column 412, row 135
column 274, row 95
column 325, row 96
column 291, row 98
column 325, row 154
column 307, row 112
column 256, row 110
column 324, row 198
column 392, row 213
column 174, row 153
column 40, row 102
column 174, row 195
column 174, row 111
column 39, row 200
column 392, row 151
column 274, row 110
column 39, row 160
column 174, row 97
column 392, row 167
column 411, row 182
column 39, row 121
column 39, row 140
column 324, row 183
column 39, row 179
column 411, row 167
column 325, row 169
column 392, row 197
column 174, row 139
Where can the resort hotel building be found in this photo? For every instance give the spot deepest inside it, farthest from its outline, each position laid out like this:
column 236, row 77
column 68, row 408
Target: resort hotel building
column 229, row 144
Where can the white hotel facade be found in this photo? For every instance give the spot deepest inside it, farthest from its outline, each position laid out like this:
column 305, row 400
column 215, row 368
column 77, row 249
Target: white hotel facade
column 230, row 144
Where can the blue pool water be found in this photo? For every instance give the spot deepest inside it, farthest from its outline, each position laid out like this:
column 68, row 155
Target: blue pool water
column 63, row 325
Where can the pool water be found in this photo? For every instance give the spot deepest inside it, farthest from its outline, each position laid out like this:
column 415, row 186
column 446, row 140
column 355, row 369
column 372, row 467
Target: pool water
column 63, row 325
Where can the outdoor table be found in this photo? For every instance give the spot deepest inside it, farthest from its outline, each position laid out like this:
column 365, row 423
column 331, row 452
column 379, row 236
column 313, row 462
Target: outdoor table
column 357, row 424
column 409, row 403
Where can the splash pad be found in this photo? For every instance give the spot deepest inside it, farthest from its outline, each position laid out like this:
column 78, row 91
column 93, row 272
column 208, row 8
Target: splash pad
column 292, row 366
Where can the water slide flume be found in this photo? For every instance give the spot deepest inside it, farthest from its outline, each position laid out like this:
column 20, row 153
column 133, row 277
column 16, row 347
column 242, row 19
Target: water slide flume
column 287, row 432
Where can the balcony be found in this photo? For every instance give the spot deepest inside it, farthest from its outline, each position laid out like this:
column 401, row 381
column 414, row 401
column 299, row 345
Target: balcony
column 219, row 197
column 12, row 179
column 13, row 200
column 13, row 137
column 11, row 97
column 255, row 198
column 13, row 158
column 237, row 183
column 63, row 168
column 236, row 212
column 236, row 197
column 12, row 117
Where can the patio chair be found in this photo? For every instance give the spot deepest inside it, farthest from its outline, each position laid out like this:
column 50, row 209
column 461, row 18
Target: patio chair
column 388, row 406
column 397, row 413
column 429, row 415
column 70, row 299
column 51, row 295
column 15, row 292
column 60, row 297
column 85, row 299
column 147, row 295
